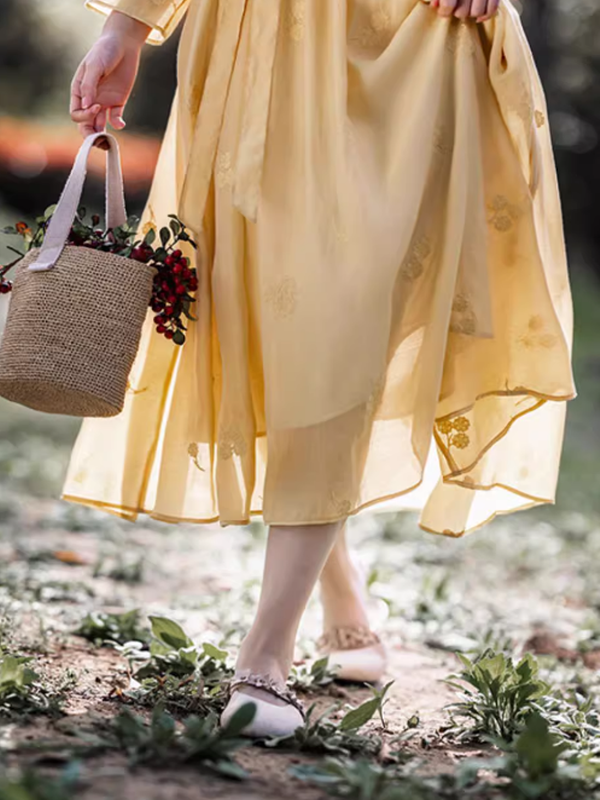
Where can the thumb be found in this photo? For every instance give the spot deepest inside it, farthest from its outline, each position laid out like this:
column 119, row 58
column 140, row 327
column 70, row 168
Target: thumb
column 116, row 117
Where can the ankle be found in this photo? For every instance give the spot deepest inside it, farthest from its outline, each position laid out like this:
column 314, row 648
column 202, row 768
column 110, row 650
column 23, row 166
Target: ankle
column 262, row 656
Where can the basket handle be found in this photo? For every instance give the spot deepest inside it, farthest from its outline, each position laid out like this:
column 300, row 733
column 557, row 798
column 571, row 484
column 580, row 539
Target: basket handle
column 66, row 209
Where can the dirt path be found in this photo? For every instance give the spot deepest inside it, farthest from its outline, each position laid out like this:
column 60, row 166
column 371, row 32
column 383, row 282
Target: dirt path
column 59, row 563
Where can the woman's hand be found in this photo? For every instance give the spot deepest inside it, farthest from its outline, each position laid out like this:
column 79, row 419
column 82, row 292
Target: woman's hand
column 479, row 10
column 103, row 83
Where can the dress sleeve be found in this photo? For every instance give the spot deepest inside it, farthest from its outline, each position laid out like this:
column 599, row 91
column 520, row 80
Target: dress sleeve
column 162, row 16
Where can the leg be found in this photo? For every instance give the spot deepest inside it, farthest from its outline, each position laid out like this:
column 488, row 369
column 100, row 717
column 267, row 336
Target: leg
column 294, row 559
column 343, row 592
column 354, row 650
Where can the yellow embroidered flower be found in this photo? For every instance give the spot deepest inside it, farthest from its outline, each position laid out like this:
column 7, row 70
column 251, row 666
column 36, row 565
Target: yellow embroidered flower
column 461, row 424
column 149, row 226
column 445, row 426
column 460, row 440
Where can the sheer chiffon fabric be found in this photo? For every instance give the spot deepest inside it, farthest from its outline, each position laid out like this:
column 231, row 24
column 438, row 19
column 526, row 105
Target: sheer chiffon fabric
column 382, row 273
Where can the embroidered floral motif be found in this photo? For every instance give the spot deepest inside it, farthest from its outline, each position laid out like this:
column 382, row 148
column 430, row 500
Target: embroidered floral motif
column 441, row 141
column 461, row 424
column 459, row 439
column 414, row 262
column 463, row 319
column 194, row 454
column 224, row 170
column 282, row 297
column 377, row 31
column 295, row 20
column 231, row 441
column 460, row 39
column 535, row 335
column 149, row 226
column 524, row 105
column 503, row 213
column 341, row 505
column 540, row 119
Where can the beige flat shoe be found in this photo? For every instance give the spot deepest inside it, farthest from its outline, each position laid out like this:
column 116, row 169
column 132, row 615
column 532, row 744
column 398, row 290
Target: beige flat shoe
column 270, row 719
column 355, row 654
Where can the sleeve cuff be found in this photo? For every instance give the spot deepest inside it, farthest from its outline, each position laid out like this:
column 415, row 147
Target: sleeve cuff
column 162, row 16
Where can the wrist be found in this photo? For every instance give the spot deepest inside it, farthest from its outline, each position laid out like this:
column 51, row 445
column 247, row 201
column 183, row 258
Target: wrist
column 130, row 30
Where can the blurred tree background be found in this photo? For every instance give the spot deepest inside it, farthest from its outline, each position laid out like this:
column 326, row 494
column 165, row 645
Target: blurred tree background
column 38, row 54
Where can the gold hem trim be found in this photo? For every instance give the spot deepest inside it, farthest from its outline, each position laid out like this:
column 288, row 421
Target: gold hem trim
column 130, row 512
column 455, row 470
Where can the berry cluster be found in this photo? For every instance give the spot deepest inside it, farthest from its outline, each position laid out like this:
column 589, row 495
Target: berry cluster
column 171, row 295
column 174, row 281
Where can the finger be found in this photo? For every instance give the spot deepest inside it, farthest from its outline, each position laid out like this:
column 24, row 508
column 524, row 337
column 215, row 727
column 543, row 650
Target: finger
column 88, row 115
column 100, row 122
column 478, row 8
column 85, row 129
column 89, row 83
column 116, row 118
column 447, row 7
column 76, row 90
column 492, row 10
column 463, row 9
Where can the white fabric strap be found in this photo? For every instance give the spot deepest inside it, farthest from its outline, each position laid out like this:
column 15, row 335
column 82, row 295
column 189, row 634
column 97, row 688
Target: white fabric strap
column 66, row 209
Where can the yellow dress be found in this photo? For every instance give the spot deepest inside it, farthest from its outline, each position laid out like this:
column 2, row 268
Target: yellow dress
column 382, row 273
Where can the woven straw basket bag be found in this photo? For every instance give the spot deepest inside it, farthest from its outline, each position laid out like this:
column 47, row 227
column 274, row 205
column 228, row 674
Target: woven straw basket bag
column 76, row 314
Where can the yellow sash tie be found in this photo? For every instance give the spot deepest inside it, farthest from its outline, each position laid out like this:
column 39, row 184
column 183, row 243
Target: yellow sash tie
column 248, row 167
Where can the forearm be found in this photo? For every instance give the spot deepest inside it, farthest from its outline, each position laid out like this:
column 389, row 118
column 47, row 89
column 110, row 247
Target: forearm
column 127, row 28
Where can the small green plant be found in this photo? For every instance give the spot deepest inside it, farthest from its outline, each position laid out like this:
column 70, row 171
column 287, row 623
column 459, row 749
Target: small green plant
column 16, row 680
column 185, row 676
column 197, row 740
column 496, row 696
column 532, row 767
column 123, row 569
column 313, row 676
column 108, row 629
column 320, row 734
column 31, row 785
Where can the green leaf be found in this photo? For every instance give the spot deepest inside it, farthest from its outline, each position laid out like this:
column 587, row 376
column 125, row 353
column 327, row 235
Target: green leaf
column 356, row 718
column 165, row 235
column 229, row 769
column 242, row 717
column 179, row 337
column 214, row 652
column 170, row 633
column 175, row 227
column 150, row 237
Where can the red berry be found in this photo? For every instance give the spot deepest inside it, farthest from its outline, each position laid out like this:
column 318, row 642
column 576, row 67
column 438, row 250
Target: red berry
column 161, row 329
column 176, row 254
column 181, row 290
column 177, row 268
column 140, row 254
column 169, row 334
column 5, row 287
column 170, row 261
column 169, row 311
column 165, row 286
column 172, row 299
column 187, row 273
column 194, row 284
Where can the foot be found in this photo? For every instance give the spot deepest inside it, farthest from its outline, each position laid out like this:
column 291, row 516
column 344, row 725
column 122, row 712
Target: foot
column 355, row 654
column 278, row 711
